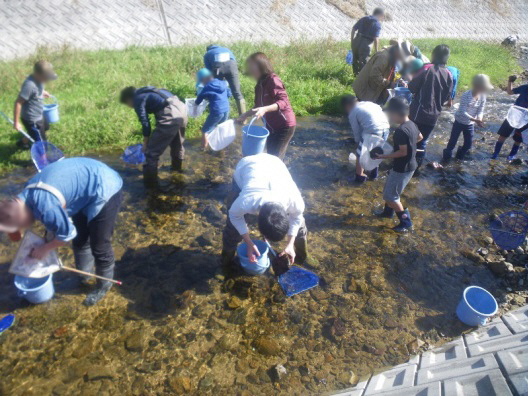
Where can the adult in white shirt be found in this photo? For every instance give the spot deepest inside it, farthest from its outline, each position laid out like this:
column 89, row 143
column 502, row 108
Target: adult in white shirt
column 366, row 118
column 263, row 186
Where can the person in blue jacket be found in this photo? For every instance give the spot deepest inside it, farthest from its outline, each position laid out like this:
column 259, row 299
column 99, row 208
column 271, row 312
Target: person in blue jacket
column 171, row 120
column 222, row 63
column 77, row 200
column 217, row 93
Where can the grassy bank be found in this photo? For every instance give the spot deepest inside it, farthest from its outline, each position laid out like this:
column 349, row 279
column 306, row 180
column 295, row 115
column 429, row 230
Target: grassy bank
column 315, row 75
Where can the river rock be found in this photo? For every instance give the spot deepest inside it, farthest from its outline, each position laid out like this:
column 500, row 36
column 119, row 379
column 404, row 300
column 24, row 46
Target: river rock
column 234, row 302
column 205, row 239
column 278, row 373
column 206, row 382
column 226, row 343
column 135, row 342
column 473, row 256
column 180, row 385
column 500, row 267
column 213, row 214
column 99, row 373
column 266, row 346
column 238, row 316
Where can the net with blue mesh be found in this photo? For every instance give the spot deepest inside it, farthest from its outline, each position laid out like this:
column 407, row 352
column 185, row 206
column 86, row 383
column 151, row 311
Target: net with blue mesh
column 509, row 229
column 297, row 280
column 134, row 155
column 44, row 153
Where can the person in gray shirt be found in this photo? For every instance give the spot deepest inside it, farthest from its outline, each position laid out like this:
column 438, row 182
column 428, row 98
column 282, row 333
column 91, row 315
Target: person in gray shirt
column 29, row 104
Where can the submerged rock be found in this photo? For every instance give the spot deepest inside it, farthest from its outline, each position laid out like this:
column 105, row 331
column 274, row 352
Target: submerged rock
column 500, row 267
column 267, row 346
column 135, row 342
column 180, row 384
column 234, row 302
column 238, row 316
column 99, row 373
column 278, row 372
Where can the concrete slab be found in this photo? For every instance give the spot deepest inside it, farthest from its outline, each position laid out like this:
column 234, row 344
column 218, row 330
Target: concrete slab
column 517, row 320
column 514, row 360
column 449, row 352
column 487, row 383
column 520, row 383
column 434, row 389
column 456, row 369
column 499, row 344
column 491, row 331
column 397, row 378
column 357, row 390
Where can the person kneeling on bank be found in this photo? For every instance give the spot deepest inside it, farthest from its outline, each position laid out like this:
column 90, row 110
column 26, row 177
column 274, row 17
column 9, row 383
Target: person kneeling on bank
column 77, row 199
column 263, row 186
column 171, row 121
column 405, row 138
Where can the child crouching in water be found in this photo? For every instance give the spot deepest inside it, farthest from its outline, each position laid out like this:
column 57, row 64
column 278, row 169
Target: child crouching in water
column 469, row 113
column 405, row 138
column 217, row 93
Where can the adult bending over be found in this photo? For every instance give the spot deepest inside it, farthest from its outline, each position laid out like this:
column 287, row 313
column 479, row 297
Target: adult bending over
column 171, row 121
column 77, row 199
column 272, row 103
column 378, row 74
column 366, row 118
column 222, row 63
column 263, row 186
column 365, row 34
column 432, row 89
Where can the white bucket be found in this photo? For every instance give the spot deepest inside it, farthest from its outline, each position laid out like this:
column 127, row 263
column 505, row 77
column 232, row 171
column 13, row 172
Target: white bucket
column 222, row 136
column 369, row 143
column 194, row 110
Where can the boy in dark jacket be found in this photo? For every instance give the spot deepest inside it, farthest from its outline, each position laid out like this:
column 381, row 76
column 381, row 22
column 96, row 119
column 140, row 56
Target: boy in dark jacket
column 217, row 93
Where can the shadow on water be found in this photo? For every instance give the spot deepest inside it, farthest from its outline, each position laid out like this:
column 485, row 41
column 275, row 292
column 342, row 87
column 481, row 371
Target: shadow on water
column 179, row 325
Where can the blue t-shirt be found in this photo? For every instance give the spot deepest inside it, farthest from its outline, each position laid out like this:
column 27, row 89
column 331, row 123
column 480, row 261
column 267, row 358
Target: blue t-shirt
column 369, row 26
column 522, row 99
column 86, row 184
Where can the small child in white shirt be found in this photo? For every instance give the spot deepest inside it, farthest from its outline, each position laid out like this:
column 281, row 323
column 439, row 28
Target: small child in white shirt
column 469, row 113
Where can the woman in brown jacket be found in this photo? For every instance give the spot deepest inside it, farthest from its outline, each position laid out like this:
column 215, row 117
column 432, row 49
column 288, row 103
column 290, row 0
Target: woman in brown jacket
column 271, row 103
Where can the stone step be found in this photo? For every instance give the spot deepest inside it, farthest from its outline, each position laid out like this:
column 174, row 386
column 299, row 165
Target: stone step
column 486, row 383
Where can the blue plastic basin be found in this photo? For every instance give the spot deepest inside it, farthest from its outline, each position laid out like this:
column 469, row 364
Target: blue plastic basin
column 35, row 290
column 262, row 263
column 253, row 139
column 476, row 306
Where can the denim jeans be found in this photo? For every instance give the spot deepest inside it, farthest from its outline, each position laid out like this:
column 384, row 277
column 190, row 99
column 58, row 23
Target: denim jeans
column 467, row 131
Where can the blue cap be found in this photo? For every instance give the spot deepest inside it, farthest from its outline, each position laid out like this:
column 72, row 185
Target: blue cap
column 203, row 73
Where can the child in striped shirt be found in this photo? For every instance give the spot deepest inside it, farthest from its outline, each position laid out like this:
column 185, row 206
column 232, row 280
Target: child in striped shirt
column 469, row 113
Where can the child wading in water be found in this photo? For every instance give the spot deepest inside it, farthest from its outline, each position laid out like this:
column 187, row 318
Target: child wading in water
column 406, row 137
column 470, row 112
column 506, row 129
column 217, row 93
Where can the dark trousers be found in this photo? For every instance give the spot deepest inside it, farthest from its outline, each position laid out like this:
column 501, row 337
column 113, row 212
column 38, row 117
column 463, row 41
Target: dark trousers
column 229, row 72
column 231, row 237
column 278, row 142
column 37, row 130
column 425, row 130
column 467, row 131
column 506, row 130
column 94, row 239
column 361, row 48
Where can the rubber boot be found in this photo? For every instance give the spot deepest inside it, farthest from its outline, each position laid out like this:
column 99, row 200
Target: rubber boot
column 150, row 178
column 446, row 155
column 84, row 261
column 360, row 179
column 228, row 256
column 103, row 286
column 373, row 175
column 405, row 221
column 241, row 106
column 496, row 152
column 177, row 165
column 459, row 154
column 388, row 213
column 301, row 253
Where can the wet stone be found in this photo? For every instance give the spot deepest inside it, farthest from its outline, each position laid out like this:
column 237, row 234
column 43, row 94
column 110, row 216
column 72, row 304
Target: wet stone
column 99, row 373
column 267, row 346
column 206, row 382
column 135, row 342
column 234, row 302
column 238, row 316
column 180, row 384
column 213, row 214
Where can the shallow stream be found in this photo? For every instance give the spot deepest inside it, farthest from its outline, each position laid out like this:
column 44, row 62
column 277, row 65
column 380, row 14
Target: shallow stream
column 179, row 326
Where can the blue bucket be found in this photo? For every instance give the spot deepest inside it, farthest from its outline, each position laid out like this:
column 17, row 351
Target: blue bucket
column 476, row 306
column 262, row 263
column 51, row 111
column 253, row 139
column 403, row 92
column 35, row 290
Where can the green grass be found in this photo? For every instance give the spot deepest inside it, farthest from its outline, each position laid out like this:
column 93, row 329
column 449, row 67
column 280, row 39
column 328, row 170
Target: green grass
column 315, row 75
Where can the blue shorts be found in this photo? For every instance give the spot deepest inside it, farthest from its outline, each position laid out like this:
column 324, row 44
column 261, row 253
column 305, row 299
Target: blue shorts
column 213, row 120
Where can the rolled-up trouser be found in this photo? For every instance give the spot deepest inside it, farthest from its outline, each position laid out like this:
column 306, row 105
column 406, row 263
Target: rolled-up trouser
column 93, row 243
column 229, row 71
column 361, row 48
column 425, row 130
column 36, row 129
column 169, row 132
column 231, row 237
column 278, row 142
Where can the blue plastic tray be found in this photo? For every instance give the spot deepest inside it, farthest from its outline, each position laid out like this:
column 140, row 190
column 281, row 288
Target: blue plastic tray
column 297, row 280
column 6, row 322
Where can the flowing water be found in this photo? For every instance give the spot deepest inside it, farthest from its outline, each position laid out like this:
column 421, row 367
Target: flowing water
column 178, row 325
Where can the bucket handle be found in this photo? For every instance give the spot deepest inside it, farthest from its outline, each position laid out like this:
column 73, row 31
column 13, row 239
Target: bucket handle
column 54, row 99
column 251, row 124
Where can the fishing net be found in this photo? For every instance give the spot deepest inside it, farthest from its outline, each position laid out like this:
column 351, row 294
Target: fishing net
column 509, row 229
column 45, row 153
column 297, row 280
column 134, row 155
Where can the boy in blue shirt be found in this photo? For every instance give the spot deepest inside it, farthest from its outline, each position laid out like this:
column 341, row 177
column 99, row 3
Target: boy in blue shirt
column 506, row 129
column 217, row 93
column 76, row 199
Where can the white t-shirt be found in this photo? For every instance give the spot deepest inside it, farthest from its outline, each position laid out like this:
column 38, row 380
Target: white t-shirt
column 264, row 178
